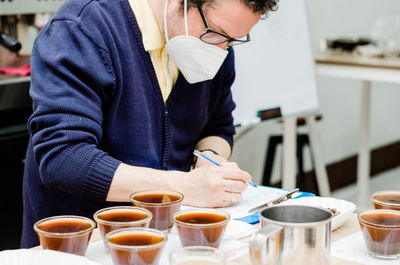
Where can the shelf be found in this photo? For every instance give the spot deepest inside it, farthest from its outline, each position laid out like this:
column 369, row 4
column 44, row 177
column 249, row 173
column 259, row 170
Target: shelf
column 357, row 60
column 9, row 79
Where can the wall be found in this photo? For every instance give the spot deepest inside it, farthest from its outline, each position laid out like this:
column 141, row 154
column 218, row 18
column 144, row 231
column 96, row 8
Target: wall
column 340, row 99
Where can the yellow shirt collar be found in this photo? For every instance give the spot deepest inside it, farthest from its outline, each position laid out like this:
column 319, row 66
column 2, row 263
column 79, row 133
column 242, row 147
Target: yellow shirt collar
column 151, row 34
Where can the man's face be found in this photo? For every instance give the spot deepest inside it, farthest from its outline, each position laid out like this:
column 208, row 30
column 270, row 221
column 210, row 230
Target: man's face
column 229, row 17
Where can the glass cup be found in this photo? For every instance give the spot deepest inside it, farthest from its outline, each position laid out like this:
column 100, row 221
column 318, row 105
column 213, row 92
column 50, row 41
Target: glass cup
column 112, row 218
column 161, row 203
column 197, row 255
column 201, row 227
column 139, row 246
column 381, row 232
column 65, row 233
column 389, row 199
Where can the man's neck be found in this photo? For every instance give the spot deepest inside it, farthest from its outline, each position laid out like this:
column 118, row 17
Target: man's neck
column 157, row 7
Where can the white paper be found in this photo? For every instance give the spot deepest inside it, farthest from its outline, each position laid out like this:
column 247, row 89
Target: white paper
column 353, row 248
column 252, row 197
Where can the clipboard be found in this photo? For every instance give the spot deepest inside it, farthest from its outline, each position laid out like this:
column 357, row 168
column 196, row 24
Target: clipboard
column 252, row 197
column 255, row 217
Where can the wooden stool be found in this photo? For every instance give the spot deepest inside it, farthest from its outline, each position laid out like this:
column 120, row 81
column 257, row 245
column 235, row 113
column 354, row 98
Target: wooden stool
column 302, row 140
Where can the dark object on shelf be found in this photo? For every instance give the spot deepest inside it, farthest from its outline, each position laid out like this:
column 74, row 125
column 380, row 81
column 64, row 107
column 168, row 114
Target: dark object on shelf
column 10, row 43
column 347, row 44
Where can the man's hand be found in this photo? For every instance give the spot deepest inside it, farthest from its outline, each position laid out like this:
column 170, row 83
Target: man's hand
column 212, row 186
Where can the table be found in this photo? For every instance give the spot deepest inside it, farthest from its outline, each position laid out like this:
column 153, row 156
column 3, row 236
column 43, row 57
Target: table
column 367, row 70
column 349, row 227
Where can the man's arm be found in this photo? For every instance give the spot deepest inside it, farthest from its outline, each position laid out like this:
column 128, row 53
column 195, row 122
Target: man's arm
column 218, row 133
column 211, row 186
column 215, row 147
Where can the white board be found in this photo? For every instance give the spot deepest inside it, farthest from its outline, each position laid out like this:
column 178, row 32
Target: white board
column 276, row 68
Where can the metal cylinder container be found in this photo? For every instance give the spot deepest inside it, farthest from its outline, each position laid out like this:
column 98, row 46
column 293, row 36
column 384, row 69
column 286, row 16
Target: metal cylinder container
column 292, row 235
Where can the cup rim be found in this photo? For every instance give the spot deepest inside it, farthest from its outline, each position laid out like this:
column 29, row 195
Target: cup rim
column 182, row 249
column 385, row 203
column 68, row 234
column 178, row 213
column 115, row 208
column 293, row 224
column 359, row 217
column 154, row 204
column 136, row 229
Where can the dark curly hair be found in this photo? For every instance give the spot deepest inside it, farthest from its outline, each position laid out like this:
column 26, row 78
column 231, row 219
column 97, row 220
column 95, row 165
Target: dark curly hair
column 257, row 6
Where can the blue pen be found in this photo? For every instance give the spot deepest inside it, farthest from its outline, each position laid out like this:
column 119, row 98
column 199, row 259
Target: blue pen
column 200, row 154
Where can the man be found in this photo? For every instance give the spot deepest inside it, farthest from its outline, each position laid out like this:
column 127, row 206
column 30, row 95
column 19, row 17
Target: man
column 123, row 92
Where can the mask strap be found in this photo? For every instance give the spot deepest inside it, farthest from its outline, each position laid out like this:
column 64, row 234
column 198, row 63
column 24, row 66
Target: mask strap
column 165, row 20
column 185, row 16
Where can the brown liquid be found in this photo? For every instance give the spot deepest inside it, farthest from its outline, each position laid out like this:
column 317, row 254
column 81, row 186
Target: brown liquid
column 143, row 239
column 391, row 219
column 385, row 198
column 201, row 218
column 64, row 226
column 380, row 240
column 194, row 234
column 162, row 214
column 122, row 216
column 75, row 244
column 156, row 198
column 138, row 256
column 388, row 197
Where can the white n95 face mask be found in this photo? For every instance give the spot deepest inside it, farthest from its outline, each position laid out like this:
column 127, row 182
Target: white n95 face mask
column 198, row 61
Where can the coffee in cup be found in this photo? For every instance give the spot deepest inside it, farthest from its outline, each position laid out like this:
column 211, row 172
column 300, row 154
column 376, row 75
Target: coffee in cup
column 386, row 200
column 381, row 232
column 204, row 227
column 65, row 233
column 117, row 217
column 161, row 203
column 141, row 246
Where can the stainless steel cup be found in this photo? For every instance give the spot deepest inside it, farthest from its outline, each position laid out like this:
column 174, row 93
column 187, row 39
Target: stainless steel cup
column 292, row 235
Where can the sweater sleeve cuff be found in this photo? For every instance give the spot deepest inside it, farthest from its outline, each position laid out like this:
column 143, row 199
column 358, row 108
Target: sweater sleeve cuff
column 100, row 177
column 228, row 138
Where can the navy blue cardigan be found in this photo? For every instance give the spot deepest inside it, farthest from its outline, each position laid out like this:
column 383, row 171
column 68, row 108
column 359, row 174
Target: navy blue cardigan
column 97, row 103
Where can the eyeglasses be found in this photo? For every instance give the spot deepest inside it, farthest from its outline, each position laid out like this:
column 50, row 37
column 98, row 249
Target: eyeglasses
column 211, row 36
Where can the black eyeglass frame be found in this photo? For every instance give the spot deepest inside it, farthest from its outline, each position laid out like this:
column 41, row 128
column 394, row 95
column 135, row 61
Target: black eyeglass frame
column 231, row 41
